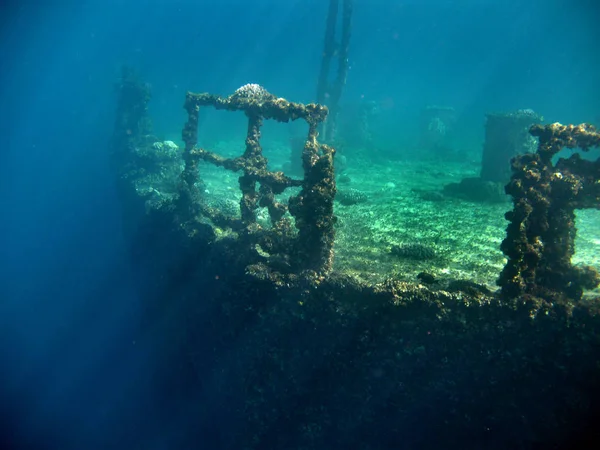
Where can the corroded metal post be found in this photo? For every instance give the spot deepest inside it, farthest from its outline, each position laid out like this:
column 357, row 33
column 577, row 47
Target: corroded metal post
column 328, row 52
column 313, row 207
column 188, row 192
column 331, row 93
column 540, row 238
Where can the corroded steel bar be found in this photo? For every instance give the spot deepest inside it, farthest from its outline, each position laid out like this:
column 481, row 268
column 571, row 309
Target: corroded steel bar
column 540, row 238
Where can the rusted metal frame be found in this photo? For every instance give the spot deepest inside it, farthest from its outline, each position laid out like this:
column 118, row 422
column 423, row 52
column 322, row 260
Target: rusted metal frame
column 540, row 238
column 312, row 208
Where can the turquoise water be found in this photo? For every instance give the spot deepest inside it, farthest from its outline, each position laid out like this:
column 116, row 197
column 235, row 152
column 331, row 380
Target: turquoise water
column 73, row 373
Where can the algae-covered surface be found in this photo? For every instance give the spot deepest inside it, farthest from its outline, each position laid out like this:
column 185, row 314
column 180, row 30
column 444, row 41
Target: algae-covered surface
column 401, row 204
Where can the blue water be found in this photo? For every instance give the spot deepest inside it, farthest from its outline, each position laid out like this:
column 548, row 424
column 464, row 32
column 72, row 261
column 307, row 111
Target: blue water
column 71, row 371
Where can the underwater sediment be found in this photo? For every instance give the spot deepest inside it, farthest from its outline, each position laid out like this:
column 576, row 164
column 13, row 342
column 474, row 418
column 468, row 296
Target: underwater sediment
column 269, row 344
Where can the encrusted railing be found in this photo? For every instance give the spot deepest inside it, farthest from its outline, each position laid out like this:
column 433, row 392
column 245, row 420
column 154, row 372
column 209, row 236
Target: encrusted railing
column 540, row 239
column 539, row 242
column 281, row 249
